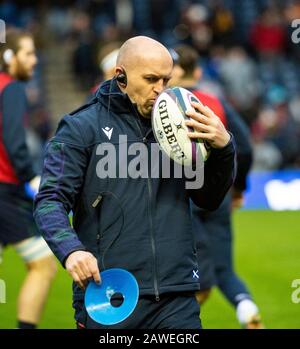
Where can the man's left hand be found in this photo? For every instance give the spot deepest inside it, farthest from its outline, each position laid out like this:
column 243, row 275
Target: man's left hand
column 207, row 126
column 237, row 199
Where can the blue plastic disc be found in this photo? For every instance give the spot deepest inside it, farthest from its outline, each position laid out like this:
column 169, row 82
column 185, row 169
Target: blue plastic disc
column 115, row 282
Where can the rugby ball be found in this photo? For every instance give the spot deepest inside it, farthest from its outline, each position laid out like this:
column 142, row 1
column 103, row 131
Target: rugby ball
column 170, row 131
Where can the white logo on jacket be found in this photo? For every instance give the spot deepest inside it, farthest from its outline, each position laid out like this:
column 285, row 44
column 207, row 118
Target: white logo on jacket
column 108, row 131
column 195, row 274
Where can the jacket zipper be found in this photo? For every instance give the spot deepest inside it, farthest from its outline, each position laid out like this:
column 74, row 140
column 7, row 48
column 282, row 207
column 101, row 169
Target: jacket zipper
column 152, row 235
column 94, row 205
column 157, row 297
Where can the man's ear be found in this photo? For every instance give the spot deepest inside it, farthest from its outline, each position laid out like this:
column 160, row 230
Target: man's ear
column 121, row 76
column 8, row 56
column 118, row 70
column 198, row 72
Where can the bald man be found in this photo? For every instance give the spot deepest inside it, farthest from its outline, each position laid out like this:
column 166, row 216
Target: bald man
column 95, row 166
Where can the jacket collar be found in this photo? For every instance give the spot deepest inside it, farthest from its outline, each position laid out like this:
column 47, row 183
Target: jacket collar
column 110, row 95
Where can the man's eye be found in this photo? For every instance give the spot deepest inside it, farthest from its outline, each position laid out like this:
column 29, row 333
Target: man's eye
column 151, row 79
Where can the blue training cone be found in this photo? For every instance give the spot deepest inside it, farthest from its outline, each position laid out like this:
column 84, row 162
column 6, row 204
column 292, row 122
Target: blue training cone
column 98, row 297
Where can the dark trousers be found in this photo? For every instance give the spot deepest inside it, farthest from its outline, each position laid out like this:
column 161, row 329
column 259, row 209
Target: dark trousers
column 172, row 311
column 214, row 236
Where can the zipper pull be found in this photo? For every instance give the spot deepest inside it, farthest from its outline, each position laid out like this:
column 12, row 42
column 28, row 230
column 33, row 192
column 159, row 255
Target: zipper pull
column 157, row 298
column 96, row 202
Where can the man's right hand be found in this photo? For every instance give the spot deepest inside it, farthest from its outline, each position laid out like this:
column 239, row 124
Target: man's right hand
column 237, row 199
column 83, row 266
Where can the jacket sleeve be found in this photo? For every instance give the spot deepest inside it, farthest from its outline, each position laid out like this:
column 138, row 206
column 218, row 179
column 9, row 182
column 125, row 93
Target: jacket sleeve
column 14, row 107
column 219, row 174
column 62, row 178
column 241, row 133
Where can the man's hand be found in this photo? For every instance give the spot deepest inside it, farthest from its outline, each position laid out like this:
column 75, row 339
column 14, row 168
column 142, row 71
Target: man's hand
column 207, row 126
column 237, row 199
column 83, row 266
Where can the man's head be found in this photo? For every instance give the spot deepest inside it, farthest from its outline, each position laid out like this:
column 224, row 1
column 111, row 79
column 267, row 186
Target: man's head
column 17, row 55
column 186, row 70
column 144, row 68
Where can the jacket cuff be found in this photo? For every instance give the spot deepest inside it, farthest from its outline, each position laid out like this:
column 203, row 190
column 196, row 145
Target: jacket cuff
column 227, row 149
column 63, row 260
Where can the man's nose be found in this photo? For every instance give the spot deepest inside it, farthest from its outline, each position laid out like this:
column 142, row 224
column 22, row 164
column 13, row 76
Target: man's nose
column 159, row 86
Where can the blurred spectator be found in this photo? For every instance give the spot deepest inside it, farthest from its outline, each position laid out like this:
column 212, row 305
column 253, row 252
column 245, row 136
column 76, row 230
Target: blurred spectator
column 275, row 129
column 266, row 155
column 239, row 75
column 58, row 20
column 222, row 23
column 107, row 58
column 124, row 16
column 84, row 65
column 268, row 35
column 199, row 33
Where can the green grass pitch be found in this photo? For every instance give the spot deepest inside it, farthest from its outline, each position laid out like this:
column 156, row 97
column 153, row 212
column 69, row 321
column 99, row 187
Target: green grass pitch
column 267, row 257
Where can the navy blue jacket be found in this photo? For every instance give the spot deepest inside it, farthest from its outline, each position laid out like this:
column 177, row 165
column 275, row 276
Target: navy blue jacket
column 237, row 126
column 143, row 224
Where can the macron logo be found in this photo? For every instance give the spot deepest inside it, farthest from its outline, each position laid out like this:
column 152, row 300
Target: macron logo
column 108, row 131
